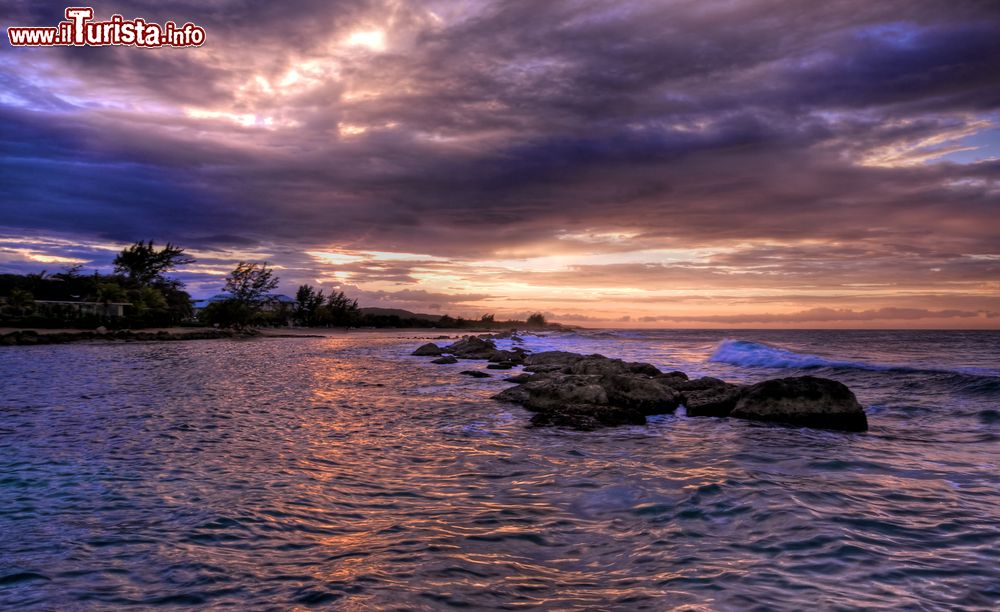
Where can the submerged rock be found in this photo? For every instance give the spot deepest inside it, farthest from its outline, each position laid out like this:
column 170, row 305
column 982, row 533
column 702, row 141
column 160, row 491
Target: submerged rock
column 519, row 378
column 445, row 360
column 428, row 350
column 587, row 417
column 807, row 401
column 475, row 373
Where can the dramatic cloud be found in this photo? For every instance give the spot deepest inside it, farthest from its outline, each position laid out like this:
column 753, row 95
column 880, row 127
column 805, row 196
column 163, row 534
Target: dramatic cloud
column 651, row 160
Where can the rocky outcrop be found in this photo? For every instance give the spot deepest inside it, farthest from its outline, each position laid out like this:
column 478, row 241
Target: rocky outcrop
column 804, row 400
column 428, row 350
column 590, row 391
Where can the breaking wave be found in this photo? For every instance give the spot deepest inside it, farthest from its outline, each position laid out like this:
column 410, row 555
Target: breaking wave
column 758, row 355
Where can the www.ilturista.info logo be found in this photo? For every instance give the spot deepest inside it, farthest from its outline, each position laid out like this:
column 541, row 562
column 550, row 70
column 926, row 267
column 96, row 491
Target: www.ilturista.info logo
column 80, row 30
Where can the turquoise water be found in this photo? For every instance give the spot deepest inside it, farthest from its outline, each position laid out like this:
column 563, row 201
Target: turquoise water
column 342, row 472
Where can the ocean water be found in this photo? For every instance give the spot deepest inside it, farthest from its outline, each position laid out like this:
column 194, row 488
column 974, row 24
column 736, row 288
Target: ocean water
column 341, row 472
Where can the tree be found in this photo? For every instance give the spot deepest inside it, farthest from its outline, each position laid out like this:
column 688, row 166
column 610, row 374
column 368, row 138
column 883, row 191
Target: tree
column 69, row 273
column 488, row 319
column 537, row 320
column 143, row 264
column 106, row 293
column 250, row 283
column 309, row 301
column 341, row 310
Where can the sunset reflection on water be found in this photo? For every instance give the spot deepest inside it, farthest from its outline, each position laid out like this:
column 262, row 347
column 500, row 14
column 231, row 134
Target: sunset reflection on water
column 341, row 471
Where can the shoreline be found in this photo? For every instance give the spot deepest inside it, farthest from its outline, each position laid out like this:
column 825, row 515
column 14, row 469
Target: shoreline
column 12, row 336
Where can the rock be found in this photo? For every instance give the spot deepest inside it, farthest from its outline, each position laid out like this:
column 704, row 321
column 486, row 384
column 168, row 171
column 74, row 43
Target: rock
column 642, row 394
column 598, row 365
column 516, row 338
column 511, row 356
column 517, row 395
column 445, row 360
column 561, row 358
column 101, row 329
column 519, row 378
column 544, row 368
column 472, row 347
column 638, row 367
column 707, row 396
column 587, row 417
column 428, row 350
column 806, row 401
column 555, row 391
column 475, row 373
column 503, row 365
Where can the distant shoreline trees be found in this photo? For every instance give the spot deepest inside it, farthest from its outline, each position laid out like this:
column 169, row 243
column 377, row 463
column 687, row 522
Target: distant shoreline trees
column 139, row 283
column 142, row 288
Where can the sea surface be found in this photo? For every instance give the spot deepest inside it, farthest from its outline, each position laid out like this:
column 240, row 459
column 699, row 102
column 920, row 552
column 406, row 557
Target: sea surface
column 341, row 472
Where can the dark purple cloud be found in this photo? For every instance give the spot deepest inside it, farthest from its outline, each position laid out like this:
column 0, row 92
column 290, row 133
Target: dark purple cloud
column 804, row 144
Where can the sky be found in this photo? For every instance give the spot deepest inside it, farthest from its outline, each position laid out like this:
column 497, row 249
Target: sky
column 696, row 163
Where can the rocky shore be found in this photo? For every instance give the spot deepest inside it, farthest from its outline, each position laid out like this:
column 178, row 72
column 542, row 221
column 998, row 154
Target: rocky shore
column 31, row 337
column 587, row 392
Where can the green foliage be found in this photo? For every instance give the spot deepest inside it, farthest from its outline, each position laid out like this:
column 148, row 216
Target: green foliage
column 341, row 310
column 142, row 264
column 139, row 280
column 107, row 293
column 250, row 283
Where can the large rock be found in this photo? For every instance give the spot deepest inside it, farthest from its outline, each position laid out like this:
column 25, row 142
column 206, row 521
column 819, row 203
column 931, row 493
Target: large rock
column 472, row 347
column 445, row 360
column 647, row 369
column 806, row 401
column 640, row 393
column 596, row 365
column 428, row 350
column 510, row 356
column 587, row 401
column 707, row 396
column 563, row 390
